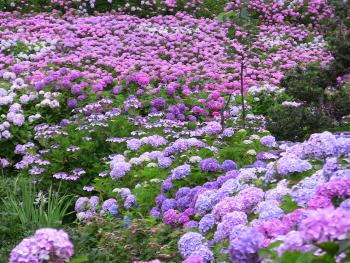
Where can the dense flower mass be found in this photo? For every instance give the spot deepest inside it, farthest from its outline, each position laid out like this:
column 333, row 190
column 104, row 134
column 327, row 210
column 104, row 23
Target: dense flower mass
column 157, row 118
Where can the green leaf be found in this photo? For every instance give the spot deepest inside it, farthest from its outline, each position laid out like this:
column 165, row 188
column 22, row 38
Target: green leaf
column 224, row 15
column 288, row 205
column 79, row 259
column 305, row 257
column 330, row 247
column 296, row 257
column 347, row 23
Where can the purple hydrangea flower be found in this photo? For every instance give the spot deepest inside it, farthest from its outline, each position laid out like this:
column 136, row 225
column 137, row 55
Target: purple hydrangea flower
column 189, row 243
column 292, row 164
column 204, row 253
column 158, row 104
column 155, row 212
column 129, row 201
column 323, row 225
column 245, row 245
column 228, row 165
column 107, row 205
column 167, row 185
column 168, row 204
column 209, row 165
column 133, row 144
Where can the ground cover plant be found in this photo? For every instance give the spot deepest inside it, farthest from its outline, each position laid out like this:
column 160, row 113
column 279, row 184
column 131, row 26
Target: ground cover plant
column 174, row 131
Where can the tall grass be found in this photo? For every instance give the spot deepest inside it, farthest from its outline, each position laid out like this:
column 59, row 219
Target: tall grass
column 34, row 212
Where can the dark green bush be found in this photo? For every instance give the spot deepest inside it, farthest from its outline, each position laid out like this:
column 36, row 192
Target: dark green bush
column 296, row 123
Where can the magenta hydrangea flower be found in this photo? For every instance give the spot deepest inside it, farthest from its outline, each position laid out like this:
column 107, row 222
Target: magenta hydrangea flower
column 170, row 217
column 323, row 225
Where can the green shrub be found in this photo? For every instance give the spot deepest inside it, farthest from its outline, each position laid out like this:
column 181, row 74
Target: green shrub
column 296, row 123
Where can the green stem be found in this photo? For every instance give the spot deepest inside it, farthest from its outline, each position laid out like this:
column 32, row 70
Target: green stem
column 242, row 94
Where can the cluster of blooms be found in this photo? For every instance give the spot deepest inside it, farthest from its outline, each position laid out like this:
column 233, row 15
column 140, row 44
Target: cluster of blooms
column 87, row 208
column 141, row 8
column 277, row 11
column 154, row 140
column 18, row 101
column 46, row 244
column 73, row 176
column 119, row 167
column 224, row 205
column 166, row 49
column 181, row 145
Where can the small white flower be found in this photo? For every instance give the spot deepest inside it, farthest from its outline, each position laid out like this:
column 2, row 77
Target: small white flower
column 251, row 152
column 195, row 159
column 152, row 165
column 254, row 137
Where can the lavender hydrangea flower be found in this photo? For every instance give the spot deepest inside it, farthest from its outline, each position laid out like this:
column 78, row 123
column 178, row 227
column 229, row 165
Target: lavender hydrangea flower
column 206, row 223
column 292, row 164
column 119, row 169
column 164, row 162
column 191, row 224
column 160, row 199
column 212, row 127
column 167, row 185
column 82, row 204
column 205, row 253
column 155, row 212
column 268, row 141
column 46, row 244
column 228, row 222
column 180, row 172
column 189, row 243
column 205, row 201
column 293, row 241
column 133, row 144
column 345, row 205
column 194, row 259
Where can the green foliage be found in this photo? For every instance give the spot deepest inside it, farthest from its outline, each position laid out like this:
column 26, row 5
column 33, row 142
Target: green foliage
column 35, row 210
column 296, row 123
column 143, row 240
column 306, row 84
column 295, row 257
